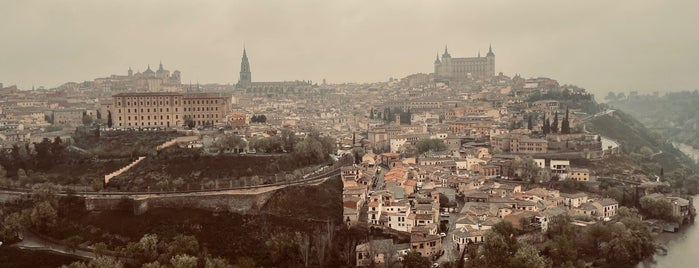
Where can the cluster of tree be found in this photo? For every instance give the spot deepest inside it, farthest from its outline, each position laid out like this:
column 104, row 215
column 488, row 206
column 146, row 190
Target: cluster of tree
column 45, row 155
column 552, row 126
column 314, row 148
column 231, row 142
column 285, row 141
column 182, row 251
column 261, row 118
column 501, row 249
column 426, row 145
column 621, row 244
column 656, row 208
column 41, row 215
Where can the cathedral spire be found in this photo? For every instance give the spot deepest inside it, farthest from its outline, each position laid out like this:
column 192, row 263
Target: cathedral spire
column 490, row 51
column 245, row 74
column 446, row 52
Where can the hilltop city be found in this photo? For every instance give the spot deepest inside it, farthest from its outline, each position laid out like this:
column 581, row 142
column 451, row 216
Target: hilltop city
column 428, row 166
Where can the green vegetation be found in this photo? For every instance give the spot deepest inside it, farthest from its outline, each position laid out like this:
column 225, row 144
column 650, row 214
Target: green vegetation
column 648, row 150
column 186, row 169
column 415, row 260
column 427, row 145
column 197, row 238
column 24, row 258
column 120, row 144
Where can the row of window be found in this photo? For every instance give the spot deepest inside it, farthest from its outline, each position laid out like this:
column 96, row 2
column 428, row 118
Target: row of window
column 155, row 123
column 148, row 103
column 201, row 102
column 167, row 110
column 191, row 109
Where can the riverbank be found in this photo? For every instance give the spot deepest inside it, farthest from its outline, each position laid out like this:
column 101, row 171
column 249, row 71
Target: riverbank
column 682, row 247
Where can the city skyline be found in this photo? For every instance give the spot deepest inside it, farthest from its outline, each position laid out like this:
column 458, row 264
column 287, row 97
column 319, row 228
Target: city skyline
column 639, row 45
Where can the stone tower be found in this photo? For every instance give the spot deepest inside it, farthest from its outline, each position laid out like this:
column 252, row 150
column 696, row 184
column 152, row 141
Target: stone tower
column 245, row 75
column 491, row 60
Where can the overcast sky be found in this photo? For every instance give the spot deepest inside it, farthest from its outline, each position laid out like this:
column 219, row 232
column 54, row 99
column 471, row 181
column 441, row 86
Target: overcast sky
column 599, row 45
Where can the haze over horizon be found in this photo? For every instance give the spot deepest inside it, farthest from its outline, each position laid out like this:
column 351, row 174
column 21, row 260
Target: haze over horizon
column 599, row 45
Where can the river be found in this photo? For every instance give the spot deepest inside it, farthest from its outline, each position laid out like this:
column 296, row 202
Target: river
column 683, row 247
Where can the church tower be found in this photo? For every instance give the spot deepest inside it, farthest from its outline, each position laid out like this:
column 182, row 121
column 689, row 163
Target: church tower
column 245, row 75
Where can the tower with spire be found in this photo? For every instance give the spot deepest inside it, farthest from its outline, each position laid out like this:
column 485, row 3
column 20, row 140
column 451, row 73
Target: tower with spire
column 245, row 75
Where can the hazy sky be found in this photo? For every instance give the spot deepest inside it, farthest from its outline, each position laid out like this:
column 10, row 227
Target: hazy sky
column 600, row 45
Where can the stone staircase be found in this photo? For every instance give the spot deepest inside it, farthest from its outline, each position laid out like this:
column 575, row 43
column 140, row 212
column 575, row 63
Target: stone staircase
column 122, row 170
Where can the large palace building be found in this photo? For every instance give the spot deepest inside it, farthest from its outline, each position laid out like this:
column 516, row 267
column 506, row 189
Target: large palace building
column 460, row 68
column 245, row 82
column 168, row 109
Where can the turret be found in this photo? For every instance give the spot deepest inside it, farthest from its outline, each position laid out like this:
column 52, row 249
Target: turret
column 446, row 53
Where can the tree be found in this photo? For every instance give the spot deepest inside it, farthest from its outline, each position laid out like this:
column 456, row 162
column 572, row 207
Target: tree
column 155, row 264
column 100, row 248
column 358, row 153
column 611, row 97
column 496, row 250
column 99, row 262
column 109, row 119
column 565, row 125
column 434, row 145
column 189, row 123
column 99, row 115
column 229, row 142
column 43, row 216
column 147, row 247
column 304, row 243
column 527, row 257
column 73, row 242
column 184, row 244
column 217, row 263
column 288, row 139
column 547, row 125
column 530, row 123
column 87, row 120
column 554, row 124
column 415, row 260
column 183, row 261
column 44, row 158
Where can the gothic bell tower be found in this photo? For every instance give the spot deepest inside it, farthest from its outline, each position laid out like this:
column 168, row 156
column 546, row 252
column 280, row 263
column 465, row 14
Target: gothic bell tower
column 245, row 75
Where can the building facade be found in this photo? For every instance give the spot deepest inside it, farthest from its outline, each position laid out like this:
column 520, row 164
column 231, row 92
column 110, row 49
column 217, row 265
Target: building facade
column 460, row 68
column 168, row 109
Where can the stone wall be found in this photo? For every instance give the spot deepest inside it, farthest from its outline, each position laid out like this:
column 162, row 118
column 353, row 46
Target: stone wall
column 237, row 203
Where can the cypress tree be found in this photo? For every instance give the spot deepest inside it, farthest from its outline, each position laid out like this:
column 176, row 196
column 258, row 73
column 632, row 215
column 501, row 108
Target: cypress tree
column 554, row 124
column 565, row 125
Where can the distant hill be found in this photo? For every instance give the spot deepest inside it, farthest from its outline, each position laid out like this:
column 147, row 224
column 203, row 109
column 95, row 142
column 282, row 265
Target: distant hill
column 674, row 115
column 651, row 149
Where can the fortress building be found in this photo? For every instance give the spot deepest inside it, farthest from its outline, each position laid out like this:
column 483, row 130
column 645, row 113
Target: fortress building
column 168, row 109
column 285, row 87
column 449, row 68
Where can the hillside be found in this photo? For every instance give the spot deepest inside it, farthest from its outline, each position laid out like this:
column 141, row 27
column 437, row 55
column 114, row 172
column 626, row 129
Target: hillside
column 648, row 147
column 674, row 115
